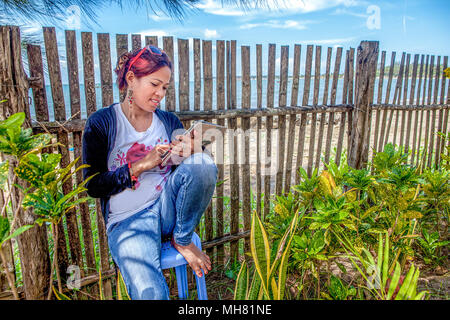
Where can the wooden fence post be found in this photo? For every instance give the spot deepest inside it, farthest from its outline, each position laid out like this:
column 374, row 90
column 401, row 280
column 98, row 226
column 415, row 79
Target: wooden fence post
column 367, row 58
column 33, row 247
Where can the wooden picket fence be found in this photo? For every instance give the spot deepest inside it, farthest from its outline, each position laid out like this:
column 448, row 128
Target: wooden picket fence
column 286, row 135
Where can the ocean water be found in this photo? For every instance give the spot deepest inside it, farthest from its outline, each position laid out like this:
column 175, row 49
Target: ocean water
column 253, row 89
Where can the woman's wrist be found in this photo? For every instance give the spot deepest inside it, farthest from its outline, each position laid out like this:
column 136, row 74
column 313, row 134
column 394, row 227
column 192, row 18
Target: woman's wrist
column 136, row 168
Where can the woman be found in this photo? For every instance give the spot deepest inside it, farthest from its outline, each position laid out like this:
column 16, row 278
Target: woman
column 144, row 202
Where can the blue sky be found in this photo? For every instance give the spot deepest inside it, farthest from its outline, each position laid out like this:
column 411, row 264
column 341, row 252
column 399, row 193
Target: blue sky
column 413, row 26
column 417, row 26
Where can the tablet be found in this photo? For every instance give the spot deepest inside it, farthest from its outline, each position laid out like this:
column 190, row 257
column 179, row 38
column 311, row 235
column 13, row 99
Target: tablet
column 201, row 127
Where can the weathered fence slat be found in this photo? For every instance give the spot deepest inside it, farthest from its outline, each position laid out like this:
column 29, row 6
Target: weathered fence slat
column 433, row 112
column 351, row 72
column 246, row 104
column 439, row 140
column 419, row 89
column 281, row 127
column 207, row 105
column 398, row 94
column 303, row 117
column 411, row 99
column 258, row 126
column 104, row 52
column 337, row 66
column 292, row 120
column 405, row 99
column 367, row 60
column 322, row 124
column 121, row 48
column 136, row 42
column 269, row 125
column 151, row 40
column 88, row 72
column 379, row 96
column 220, row 94
column 197, row 75
column 386, row 101
column 428, row 133
column 233, row 149
column 170, row 104
column 342, row 120
column 54, row 71
column 312, row 133
column 75, row 109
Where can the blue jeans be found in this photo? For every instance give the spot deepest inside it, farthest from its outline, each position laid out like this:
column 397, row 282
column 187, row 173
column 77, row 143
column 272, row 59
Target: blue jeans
column 135, row 243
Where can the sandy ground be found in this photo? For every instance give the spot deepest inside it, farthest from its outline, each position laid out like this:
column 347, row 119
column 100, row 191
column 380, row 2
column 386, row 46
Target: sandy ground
column 334, row 142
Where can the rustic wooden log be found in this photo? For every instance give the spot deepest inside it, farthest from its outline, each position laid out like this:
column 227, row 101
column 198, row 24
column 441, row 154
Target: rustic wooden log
column 366, row 61
column 33, row 248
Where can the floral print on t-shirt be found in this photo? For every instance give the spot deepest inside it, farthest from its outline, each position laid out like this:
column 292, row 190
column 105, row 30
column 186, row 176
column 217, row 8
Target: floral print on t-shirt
column 136, row 152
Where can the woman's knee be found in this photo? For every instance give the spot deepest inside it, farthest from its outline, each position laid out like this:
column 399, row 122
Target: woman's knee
column 200, row 167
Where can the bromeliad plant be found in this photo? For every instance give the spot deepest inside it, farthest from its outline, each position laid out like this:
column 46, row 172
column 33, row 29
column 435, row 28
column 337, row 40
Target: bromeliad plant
column 269, row 278
column 384, row 277
column 44, row 179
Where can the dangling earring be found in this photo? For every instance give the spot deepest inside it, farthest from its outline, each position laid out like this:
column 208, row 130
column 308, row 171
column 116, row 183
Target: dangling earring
column 130, row 96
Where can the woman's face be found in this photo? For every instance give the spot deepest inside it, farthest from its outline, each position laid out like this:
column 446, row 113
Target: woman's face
column 148, row 91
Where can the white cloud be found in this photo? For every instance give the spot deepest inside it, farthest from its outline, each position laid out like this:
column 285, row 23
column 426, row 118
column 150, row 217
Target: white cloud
column 158, row 17
column 211, row 34
column 152, row 32
column 287, row 24
column 273, row 7
column 341, row 11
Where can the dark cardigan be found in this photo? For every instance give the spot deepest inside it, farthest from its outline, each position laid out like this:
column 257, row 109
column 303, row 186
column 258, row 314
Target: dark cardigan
column 98, row 141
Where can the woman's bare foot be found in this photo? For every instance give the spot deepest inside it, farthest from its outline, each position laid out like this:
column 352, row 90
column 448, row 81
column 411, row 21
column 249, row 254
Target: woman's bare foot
column 196, row 258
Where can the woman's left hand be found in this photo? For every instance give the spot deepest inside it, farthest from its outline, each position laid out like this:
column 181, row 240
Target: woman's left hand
column 183, row 146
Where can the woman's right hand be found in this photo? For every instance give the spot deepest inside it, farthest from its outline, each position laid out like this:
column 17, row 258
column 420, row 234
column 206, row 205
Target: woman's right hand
column 151, row 160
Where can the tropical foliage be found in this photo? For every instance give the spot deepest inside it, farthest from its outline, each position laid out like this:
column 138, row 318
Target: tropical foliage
column 345, row 233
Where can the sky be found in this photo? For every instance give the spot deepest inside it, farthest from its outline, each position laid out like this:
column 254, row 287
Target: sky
column 418, row 26
column 413, row 26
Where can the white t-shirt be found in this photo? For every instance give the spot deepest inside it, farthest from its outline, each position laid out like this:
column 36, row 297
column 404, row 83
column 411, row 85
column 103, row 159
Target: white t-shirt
column 130, row 146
